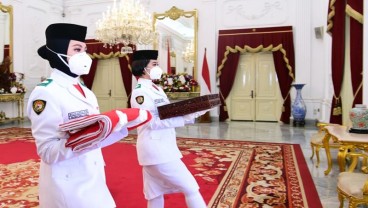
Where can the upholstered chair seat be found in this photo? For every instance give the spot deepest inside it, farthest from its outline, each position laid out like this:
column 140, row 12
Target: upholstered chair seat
column 353, row 184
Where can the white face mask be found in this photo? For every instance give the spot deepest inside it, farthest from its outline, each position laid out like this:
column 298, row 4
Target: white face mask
column 155, row 72
column 79, row 63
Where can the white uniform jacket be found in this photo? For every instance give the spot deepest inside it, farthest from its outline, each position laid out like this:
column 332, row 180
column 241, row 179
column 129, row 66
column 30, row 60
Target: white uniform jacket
column 156, row 142
column 67, row 179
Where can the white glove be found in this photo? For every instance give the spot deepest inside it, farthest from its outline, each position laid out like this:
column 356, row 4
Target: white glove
column 123, row 121
column 143, row 116
column 190, row 118
column 200, row 113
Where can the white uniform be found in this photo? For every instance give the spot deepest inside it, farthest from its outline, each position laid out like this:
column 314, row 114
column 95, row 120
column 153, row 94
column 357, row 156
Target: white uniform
column 158, row 153
column 67, row 179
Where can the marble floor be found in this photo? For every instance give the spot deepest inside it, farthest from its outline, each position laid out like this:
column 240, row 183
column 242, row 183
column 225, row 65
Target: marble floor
column 267, row 132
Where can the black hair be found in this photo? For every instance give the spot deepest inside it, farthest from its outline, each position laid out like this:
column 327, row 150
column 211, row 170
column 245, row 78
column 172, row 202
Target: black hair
column 138, row 67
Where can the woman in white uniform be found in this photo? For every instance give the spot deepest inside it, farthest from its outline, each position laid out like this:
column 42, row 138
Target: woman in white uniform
column 67, row 179
column 158, row 154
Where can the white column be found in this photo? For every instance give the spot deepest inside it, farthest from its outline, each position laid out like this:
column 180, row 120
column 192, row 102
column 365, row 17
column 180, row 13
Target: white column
column 302, row 42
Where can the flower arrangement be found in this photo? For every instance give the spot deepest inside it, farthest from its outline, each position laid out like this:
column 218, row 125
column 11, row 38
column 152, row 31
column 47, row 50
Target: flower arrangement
column 182, row 82
column 15, row 79
column 20, row 87
column 12, row 77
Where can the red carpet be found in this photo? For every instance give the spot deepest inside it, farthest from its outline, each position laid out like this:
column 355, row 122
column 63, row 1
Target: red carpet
column 230, row 173
column 124, row 177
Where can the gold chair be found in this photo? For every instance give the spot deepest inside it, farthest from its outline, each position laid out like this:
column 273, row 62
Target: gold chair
column 316, row 141
column 351, row 185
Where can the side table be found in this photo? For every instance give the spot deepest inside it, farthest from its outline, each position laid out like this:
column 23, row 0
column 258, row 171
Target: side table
column 14, row 98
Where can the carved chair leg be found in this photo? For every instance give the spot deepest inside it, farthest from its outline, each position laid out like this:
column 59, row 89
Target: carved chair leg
column 352, row 204
column 312, row 147
column 364, row 162
column 317, row 155
column 341, row 199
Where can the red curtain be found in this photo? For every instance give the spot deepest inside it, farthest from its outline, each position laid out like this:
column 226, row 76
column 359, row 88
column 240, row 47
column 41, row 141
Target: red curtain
column 354, row 9
column 88, row 78
column 226, row 82
column 126, row 75
column 97, row 51
column 336, row 27
column 284, row 83
column 231, row 43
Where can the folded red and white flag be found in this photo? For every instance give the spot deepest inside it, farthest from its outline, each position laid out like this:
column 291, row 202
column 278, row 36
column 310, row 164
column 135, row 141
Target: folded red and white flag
column 88, row 131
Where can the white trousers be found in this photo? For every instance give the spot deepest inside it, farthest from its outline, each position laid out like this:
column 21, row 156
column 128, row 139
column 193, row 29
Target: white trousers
column 171, row 177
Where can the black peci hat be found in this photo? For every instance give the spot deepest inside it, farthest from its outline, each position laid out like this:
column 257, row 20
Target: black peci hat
column 58, row 36
column 145, row 55
column 66, row 31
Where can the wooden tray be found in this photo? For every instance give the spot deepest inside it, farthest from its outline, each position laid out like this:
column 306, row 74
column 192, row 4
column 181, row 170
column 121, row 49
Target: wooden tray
column 188, row 106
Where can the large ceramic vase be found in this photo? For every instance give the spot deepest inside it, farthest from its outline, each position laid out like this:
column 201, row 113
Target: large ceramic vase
column 359, row 119
column 298, row 108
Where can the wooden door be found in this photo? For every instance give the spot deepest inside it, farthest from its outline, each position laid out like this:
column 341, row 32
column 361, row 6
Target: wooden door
column 108, row 85
column 255, row 95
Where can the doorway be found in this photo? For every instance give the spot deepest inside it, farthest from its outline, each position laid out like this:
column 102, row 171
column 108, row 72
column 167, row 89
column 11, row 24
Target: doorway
column 108, row 85
column 255, row 95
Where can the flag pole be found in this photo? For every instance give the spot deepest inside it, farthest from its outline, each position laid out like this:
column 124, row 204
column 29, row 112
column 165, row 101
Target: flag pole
column 205, row 118
column 168, row 58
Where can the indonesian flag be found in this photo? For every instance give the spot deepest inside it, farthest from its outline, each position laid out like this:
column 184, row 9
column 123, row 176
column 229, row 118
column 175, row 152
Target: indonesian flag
column 168, row 58
column 87, row 131
column 206, row 76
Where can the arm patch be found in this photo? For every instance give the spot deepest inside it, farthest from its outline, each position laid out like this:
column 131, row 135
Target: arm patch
column 139, row 99
column 38, row 106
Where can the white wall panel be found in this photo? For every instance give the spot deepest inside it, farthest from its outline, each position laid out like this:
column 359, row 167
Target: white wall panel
column 250, row 13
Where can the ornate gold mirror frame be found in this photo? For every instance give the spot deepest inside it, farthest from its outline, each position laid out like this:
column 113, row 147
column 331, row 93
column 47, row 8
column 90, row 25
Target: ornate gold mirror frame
column 174, row 13
column 9, row 10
